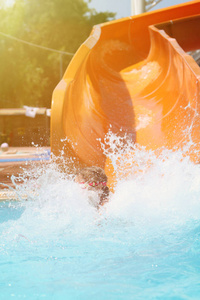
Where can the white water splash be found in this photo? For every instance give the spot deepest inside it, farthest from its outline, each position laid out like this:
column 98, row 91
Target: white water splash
column 154, row 189
column 159, row 193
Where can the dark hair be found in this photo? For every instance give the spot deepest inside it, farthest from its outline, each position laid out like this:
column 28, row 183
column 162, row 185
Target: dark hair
column 96, row 175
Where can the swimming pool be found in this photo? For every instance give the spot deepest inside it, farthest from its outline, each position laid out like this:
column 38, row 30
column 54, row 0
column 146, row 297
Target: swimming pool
column 24, row 156
column 144, row 244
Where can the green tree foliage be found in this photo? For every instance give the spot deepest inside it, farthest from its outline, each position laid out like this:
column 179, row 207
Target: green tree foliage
column 29, row 74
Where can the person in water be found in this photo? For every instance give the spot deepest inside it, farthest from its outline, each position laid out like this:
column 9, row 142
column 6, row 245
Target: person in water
column 94, row 180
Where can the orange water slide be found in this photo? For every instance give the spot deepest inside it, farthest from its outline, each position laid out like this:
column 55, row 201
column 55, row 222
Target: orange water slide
column 132, row 76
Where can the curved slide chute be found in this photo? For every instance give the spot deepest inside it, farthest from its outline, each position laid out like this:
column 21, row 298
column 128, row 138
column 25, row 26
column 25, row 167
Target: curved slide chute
column 132, row 76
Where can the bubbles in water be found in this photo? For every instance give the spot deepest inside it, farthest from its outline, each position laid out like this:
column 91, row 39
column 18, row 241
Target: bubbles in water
column 155, row 193
column 54, row 206
column 155, row 188
column 146, row 234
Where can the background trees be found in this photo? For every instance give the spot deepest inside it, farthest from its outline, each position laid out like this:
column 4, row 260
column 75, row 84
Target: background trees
column 28, row 74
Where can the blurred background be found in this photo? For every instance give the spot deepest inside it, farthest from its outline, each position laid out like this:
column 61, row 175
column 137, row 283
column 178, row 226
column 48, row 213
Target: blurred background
column 38, row 38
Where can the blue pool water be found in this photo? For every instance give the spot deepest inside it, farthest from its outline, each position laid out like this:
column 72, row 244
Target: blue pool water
column 144, row 244
column 45, row 155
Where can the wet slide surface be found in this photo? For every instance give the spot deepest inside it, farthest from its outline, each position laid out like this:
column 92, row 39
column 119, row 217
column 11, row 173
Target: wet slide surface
column 135, row 78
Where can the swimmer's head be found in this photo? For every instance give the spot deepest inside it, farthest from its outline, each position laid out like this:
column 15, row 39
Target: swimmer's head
column 94, row 179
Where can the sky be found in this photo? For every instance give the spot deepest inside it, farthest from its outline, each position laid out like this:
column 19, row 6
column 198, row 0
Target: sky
column 123, row 7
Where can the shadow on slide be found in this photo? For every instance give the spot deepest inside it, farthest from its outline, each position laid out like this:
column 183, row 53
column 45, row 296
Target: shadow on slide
column 133, row 77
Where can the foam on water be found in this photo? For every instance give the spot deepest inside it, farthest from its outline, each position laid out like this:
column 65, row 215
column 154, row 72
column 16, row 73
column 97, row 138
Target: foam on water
column 55, row 205
column 151, row 223
column 162, row 198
